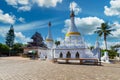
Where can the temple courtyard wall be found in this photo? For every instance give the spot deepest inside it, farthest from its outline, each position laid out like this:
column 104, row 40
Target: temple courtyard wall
column 17, row 68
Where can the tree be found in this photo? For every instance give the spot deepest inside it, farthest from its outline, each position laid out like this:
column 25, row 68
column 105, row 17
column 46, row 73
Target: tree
column 57, row 43
column 115, row 46
column 4, row 49
column 37, row 41
column 91, row 48
column 10, row 37
column 104, row 30
column 17, row 48
column 112, row 53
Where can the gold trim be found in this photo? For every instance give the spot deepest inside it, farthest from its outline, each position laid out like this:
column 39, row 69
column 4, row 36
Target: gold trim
column 72, row 33
column 49, row 40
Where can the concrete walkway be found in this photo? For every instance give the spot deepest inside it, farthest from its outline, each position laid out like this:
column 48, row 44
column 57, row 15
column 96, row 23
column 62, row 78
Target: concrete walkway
column 17, row 68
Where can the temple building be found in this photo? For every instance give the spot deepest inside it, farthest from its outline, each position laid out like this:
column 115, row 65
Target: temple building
column 36, row 44
column 72, row 47
column 37, row 41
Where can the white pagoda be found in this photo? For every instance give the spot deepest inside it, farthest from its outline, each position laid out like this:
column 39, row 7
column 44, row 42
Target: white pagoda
column 72, row 47
column 49, row 39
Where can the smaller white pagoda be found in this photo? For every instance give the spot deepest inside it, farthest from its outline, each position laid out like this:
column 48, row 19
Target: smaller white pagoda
column 49, row 39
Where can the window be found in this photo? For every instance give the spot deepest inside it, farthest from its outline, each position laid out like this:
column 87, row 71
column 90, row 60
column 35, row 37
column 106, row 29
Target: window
column 68, row 55
column 77, row 55
column 61, row 55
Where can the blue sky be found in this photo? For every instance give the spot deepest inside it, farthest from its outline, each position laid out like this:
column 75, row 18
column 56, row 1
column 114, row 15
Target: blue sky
column 29, row 16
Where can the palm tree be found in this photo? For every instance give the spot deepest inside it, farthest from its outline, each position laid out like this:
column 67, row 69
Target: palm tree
column 91, row 48
column 104, row 30
column 57, row 43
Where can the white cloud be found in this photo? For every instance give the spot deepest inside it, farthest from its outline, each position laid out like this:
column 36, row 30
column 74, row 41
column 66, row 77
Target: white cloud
column 21, row 38
column 9, row 19
column 24, row 8
column 21, row 19
column 23, row 2
column 25, row 27
column 47, row 3
column 114, row 9
column 115, row 34
column 109, row 44
column 21, row 5
column 3, row 32
column 6, row 18
column 31, row 25
column 85, row 25
column 26, row 5
column 11, row 2
column 35, row 25
column 75, row 7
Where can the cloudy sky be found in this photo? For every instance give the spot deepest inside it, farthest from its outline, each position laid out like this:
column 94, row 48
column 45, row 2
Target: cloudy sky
column 29, row 16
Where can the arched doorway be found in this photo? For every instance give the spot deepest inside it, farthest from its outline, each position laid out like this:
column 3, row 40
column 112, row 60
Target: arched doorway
column 77, row 55
column 68, row 55
column 61, row 55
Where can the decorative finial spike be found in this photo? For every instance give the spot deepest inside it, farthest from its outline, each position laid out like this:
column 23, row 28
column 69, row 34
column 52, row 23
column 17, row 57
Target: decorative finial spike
column 71, row 6
column 72, row 14
column 49, row 24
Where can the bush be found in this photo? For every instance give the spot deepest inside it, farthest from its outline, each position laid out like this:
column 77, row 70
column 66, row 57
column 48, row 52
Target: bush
column 4, row 50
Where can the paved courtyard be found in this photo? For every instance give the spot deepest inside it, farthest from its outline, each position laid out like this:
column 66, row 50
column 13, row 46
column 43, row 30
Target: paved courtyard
column 16, row 68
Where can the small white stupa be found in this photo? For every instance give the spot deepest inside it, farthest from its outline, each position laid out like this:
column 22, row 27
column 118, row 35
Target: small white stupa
column 49, row 39
column 105, row 58
column 96, row 50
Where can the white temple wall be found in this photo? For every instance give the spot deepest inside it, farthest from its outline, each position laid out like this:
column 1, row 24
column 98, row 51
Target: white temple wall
column 55, row 53
column 73, row 53
column 43, row 53
column 49, row 44
column 64, row 55
column 49, row 54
